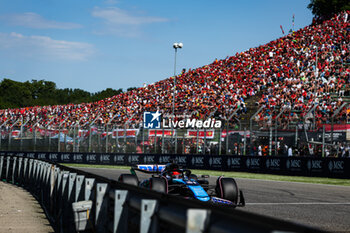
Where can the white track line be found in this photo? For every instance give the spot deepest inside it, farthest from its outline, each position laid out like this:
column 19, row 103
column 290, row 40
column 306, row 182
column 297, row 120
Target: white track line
column 295, row 182
column 301, row 203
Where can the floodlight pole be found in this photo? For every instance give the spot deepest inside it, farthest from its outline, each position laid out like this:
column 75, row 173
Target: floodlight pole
column 175, row 46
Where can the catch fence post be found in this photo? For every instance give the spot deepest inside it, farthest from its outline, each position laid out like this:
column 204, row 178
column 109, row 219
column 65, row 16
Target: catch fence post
column 10, row 138
column 65, row 141
column 74, row 137
column 296, row 135
column 34, row 138
column 175, row 141
column 49, row 135
column 323, row 140
column 227, row 137
column 162, row 140
column 245, row 142
column 106, row 138
column 59, row 140
column 125, row 138
column 117, row 140
column 197, row 142
column 183, row 141
column 270, row 141
column 78, row 138
column 155, row 141
column 99, row 144
column 143, row 140
column 219, row 142
column 205, row 141
column 89, row 139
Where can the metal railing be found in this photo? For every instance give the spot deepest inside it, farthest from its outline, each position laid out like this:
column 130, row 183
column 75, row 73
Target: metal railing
column 227, row 141
column 263, row 130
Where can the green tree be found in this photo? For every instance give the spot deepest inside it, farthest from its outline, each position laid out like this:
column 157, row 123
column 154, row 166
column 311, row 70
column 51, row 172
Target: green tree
column 15, row 94
column 39, row 93
column 131, row 88
column 43, row 92
column 325, row 9
column 105, row 94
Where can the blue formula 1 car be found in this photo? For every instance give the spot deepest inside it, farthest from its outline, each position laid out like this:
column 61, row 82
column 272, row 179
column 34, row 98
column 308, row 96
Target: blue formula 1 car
column 173, row 180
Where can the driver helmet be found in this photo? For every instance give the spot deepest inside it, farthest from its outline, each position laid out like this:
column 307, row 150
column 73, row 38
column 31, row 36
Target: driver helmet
column 175, row 174
column 173, row 171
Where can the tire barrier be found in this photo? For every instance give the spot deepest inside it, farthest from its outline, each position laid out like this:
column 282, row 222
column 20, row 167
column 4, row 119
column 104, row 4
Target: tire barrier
column 79, row 201
column 292, row 166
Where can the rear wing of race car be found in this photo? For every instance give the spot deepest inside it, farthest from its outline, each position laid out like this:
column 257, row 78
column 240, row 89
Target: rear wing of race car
column 149, row 168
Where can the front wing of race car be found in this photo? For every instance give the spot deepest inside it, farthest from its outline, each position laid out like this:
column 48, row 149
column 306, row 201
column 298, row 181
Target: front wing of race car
column 200, row 194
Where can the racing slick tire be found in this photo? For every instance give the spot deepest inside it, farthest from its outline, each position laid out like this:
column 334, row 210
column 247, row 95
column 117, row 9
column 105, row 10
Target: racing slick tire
column 159, row 184
column 227, row 188
column 128, row 179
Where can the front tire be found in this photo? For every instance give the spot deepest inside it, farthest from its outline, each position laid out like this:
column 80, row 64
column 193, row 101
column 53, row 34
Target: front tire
column 226, row 188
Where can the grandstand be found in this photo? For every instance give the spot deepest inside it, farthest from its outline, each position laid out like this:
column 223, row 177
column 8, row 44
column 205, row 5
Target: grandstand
column 300, row 79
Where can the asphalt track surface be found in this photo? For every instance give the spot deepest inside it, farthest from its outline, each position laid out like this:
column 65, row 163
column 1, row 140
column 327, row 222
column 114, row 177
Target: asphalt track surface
column 326, row 207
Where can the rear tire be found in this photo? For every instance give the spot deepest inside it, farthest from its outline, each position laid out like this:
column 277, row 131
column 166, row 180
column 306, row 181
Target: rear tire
column 128, row 179
column 159, row 184
column 226, row 188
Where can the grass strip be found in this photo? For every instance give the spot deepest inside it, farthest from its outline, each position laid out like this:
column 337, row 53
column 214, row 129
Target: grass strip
column 303, row 179
column 314, row 180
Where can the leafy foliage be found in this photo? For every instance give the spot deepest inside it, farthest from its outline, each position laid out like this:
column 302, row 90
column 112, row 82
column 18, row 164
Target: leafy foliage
column 325, row 9
column 131, row 88
column 39, row 93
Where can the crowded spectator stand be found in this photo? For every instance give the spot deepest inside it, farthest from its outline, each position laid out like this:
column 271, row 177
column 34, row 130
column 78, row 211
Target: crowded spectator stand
column 297, row 82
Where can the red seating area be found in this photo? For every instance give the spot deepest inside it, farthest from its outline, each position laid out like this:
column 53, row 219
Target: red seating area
column 282, row 73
